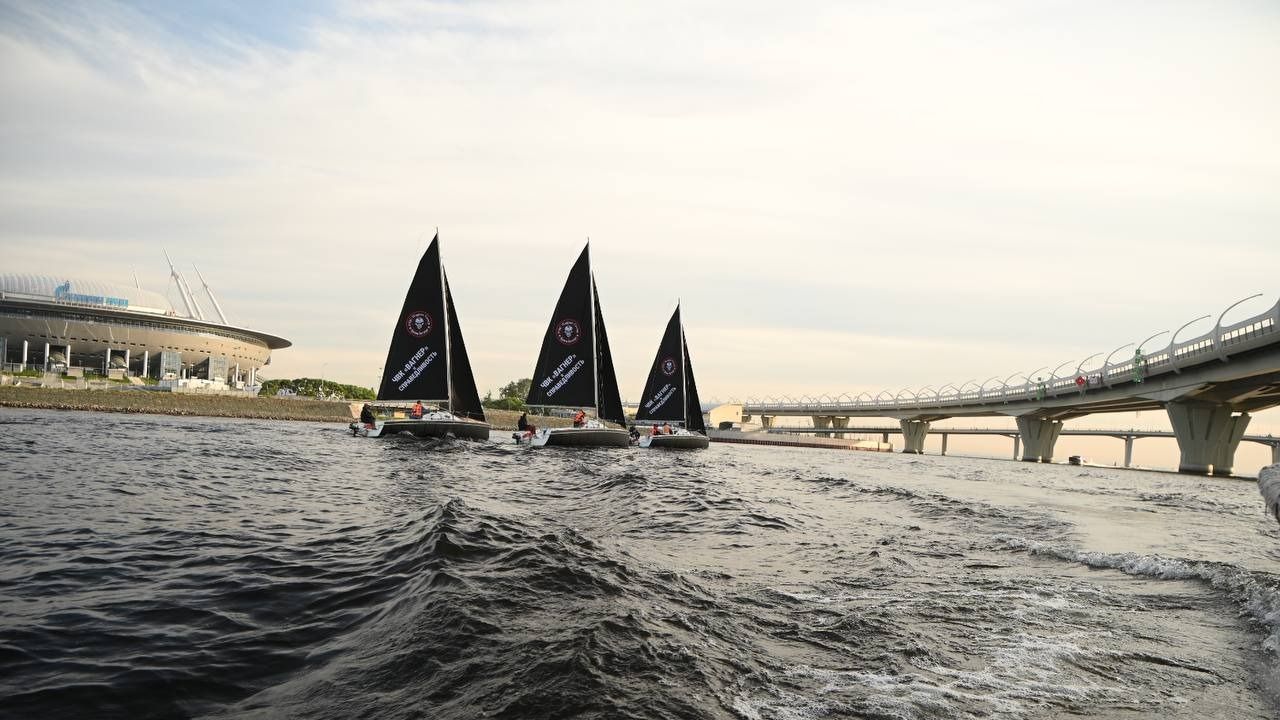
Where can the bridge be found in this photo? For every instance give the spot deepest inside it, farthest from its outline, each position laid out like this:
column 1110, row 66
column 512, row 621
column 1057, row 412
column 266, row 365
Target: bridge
column 1128, row 436
column 1208, row 385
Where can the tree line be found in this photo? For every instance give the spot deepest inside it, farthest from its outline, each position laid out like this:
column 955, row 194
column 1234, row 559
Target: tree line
column 312, row 387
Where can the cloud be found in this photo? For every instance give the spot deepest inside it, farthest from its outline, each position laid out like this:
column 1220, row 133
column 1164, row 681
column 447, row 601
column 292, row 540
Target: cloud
column 842, row 196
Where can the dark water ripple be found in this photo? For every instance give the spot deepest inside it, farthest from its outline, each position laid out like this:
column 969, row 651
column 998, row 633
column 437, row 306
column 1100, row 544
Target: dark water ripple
column 173, row 567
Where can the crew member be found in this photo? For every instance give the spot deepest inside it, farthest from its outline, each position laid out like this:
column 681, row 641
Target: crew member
column 416, row 412
column 523, row 423
column 666, row 428
column 579, row 418
column 366, row 416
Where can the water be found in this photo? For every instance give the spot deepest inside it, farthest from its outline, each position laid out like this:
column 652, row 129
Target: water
column 155, row 567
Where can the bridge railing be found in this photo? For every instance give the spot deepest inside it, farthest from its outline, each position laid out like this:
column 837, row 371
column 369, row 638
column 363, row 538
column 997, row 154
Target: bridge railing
column 1218, row 343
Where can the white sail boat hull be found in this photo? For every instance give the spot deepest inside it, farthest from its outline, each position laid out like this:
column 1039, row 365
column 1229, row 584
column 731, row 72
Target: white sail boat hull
column 440, row 424
column 580, row 437
column 680, row 440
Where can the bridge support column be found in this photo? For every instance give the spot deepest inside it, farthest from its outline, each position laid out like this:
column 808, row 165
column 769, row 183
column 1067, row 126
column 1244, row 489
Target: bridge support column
column 146, row 363
column 822, row 421
column 1128, row 451
column 913, row 435
column 944, row 443
column 840, row 422
column 25, row 347
column 1038, row 438
column 1275, row 454
column 766, row 421
column 46, row 357
column 1207, row 436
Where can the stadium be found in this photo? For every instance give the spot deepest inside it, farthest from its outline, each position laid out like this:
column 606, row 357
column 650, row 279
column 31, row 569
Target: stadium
column 84, row 327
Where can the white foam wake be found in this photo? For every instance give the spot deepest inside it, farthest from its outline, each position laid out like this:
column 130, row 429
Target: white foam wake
column 1257, row 593
column 1269, row 485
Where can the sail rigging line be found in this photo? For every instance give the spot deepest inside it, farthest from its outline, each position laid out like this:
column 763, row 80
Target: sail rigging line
column 595, row 341
column 448, row 365
column 684, row 382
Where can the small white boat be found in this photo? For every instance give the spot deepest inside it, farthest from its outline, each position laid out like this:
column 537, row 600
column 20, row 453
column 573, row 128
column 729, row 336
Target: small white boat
column 670, row 395
column 427, row 362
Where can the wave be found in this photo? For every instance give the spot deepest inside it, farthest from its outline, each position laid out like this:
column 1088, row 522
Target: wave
column 1256, row 593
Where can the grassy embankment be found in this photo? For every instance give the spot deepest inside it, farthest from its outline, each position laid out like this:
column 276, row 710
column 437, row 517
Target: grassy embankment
column 260, row 408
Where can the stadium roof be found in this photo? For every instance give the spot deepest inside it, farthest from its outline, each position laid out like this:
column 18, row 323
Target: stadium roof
column 86, row 292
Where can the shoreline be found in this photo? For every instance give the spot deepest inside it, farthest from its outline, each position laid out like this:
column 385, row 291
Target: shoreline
column 246, row 407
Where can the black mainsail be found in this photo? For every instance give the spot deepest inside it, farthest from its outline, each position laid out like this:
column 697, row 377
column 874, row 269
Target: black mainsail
column 428, row 358
column 693, row 412
column 417, row 366
column 464, row 399
column 566, row 372
column 608, row 398
column 663, row 399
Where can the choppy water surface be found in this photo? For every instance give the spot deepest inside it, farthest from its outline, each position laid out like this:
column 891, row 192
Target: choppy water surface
column 173, row 567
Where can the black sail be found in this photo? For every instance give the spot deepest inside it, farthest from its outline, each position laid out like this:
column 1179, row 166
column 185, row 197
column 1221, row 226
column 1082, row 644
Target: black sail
column 663, row 396
column 416, row 366
column 565, row 373
column 610, row 399
column 464, row 399
column 692, row 403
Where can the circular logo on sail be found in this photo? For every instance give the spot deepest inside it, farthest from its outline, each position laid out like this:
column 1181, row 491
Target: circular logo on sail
column 568, row 332
column 668, row 366
column 418, row 323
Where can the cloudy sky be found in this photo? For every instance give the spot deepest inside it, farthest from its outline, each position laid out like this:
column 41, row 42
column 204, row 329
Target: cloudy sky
column 846, row 196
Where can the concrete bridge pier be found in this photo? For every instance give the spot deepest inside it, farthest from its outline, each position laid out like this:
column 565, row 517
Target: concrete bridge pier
column 840, row 422
column 822, row 421
column 1208, row 435
column 1128, row 451
column 1038, row 438
column 913, row 435
column 944, row 443
column 766, row 421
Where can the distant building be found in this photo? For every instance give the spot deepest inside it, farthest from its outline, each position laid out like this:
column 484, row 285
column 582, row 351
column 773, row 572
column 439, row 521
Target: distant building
column 52, row 323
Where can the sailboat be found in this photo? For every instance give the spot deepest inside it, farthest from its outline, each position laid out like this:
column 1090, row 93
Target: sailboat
column 671, row 396
column 575, row 369
column 427, row 363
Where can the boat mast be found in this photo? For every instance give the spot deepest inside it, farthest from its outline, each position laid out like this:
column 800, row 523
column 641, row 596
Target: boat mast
column 444, row 302
column 595, row 352
column 684, row 383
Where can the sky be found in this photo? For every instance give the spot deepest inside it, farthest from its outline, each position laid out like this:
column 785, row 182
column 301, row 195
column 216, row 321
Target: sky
column 844, row 196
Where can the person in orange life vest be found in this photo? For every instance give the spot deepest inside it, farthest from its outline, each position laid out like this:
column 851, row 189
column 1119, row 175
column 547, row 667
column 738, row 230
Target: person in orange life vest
column 416, row 412
column 653, row 429
column 579, row 418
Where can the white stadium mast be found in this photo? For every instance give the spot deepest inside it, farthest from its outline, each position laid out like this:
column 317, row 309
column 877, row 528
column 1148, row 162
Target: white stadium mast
column 189, row 300
column 209, row 291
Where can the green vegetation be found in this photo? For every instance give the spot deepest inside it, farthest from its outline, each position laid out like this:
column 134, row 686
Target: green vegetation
column 311, row 387
column 510, row 396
